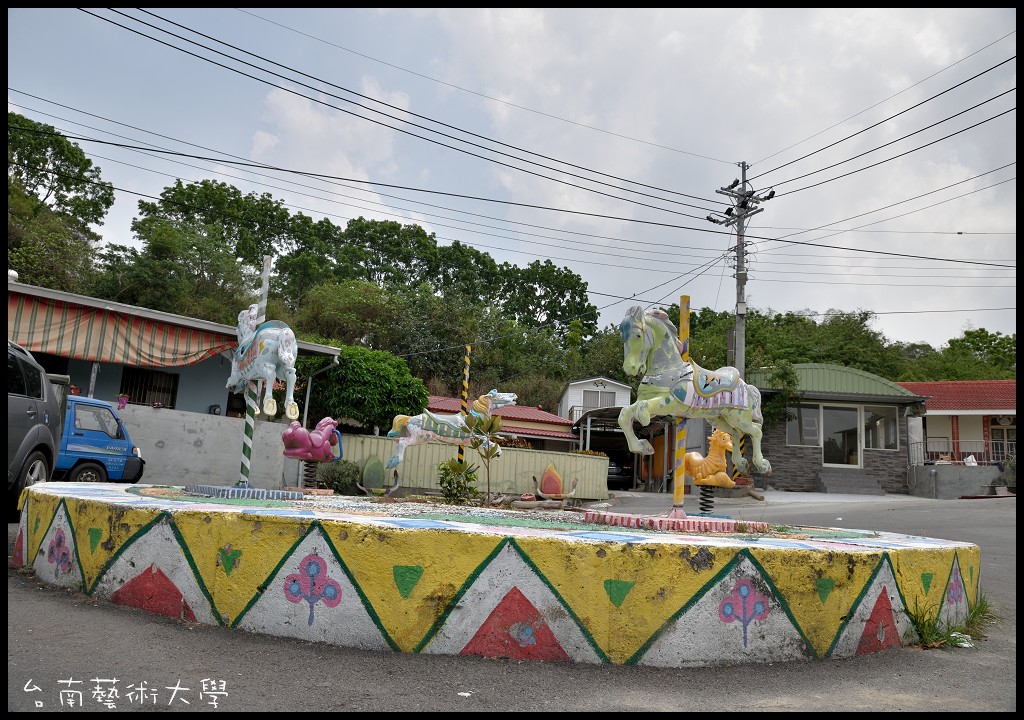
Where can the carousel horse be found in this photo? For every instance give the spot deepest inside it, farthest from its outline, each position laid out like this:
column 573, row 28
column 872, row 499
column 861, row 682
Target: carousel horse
column 265, row 353
column 680, row 389
column 427, row 426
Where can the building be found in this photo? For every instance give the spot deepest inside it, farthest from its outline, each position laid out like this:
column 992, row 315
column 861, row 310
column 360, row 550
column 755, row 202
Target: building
column 541, row 429
column 966, row 419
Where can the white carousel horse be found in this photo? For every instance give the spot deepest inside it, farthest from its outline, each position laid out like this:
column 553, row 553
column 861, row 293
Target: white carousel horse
column 673, row 387
column 427, row 426
column 264, row 354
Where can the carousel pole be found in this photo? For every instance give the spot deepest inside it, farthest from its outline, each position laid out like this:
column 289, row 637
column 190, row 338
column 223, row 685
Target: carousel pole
column 252, row 408
column 679, row 476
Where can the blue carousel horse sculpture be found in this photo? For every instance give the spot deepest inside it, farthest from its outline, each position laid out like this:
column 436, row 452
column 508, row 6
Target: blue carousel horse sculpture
column 264, row 354
column 427, row 426
column 680, row 389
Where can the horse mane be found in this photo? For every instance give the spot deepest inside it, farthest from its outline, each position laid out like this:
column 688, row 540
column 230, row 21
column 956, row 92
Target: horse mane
column 671, row 330
column 481, row 404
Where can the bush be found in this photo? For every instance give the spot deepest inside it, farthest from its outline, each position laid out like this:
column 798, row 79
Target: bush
column 340, row 476
column 457, row 481
column 514, row 442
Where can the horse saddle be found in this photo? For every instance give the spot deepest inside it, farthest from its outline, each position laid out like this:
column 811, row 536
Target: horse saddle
column 719, row 388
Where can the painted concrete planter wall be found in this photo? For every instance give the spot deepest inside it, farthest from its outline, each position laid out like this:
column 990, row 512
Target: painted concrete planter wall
column 350, row 574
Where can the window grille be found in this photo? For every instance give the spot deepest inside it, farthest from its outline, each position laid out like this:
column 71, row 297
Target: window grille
column 149, row 387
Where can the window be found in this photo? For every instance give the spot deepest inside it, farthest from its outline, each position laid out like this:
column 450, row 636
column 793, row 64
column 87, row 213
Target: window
column 149, row 387
column 880, row 428
column 97, row 419
column 593, row 399
column 840, row 433
column 803, row 428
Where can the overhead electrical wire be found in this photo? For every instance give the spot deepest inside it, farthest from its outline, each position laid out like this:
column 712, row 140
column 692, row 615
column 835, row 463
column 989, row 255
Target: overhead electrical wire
column 398, row 129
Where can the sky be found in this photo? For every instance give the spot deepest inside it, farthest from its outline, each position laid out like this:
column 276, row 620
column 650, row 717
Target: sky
column 600, row 140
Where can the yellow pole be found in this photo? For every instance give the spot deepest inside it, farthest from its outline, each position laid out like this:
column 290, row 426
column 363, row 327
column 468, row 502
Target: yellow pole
column 679, row 489
column 465, row 394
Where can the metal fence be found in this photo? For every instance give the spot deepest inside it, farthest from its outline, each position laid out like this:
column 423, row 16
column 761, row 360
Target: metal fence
column 962, row 452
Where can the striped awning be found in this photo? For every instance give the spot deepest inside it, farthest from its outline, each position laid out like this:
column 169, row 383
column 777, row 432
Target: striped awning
column 79, row 332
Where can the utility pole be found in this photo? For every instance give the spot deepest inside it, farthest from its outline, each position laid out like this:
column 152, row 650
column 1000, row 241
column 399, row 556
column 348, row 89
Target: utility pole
column 744, row 204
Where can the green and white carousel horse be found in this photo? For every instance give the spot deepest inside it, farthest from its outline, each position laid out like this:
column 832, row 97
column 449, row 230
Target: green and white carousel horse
column 677, row 388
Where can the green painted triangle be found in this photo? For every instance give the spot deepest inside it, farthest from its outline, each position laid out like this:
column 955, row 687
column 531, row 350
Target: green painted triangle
column 35, row 527
column 618, row 590
column 373, row 472
column 926, row 581
column 406, row 577
column 824, row 586
column 95, row 535
column 970, row 573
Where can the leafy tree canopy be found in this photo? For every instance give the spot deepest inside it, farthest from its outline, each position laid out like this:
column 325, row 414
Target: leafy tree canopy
column 56, row 172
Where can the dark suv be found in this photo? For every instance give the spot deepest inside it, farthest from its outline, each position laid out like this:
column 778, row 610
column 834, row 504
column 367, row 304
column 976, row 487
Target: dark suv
column 620, row 476
column 33, row 423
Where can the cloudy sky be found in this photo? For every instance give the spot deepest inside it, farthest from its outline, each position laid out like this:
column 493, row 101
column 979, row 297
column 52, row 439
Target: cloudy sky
column 597, row 139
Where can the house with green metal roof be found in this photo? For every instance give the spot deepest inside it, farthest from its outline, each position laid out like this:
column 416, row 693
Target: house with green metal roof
column 848, row 432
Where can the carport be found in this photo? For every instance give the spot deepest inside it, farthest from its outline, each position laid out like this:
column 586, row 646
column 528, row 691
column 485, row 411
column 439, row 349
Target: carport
column 599, row 430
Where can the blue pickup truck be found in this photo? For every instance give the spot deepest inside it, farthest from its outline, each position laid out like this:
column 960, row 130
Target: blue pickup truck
column 94, row 444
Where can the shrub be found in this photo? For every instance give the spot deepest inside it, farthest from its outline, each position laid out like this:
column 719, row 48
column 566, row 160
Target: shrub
column 340, row 476
column 457, row 481
column 588, row 452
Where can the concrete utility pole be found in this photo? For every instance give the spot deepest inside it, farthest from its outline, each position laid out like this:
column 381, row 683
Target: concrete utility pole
column 744, row 205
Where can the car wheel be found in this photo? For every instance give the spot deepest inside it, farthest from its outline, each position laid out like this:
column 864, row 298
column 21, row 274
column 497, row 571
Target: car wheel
column 35, row 469
column 88, row 472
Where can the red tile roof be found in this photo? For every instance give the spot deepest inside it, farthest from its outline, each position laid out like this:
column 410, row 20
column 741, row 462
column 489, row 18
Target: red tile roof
column 966, row 394
column 523, row 413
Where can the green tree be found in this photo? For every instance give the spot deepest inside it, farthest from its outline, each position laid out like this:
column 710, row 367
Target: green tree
column 354, row 312
column 44, row 248
column 56, row 172
column 252, row 225
column 368, row 386
column 544, row 294
column 386, row 252
column 180, row 269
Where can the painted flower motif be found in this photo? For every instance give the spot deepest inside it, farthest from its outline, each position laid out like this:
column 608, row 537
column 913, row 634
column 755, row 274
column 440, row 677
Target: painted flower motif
column 955, row 592
column 744, row 605
column 58, row 553
column 312, row 585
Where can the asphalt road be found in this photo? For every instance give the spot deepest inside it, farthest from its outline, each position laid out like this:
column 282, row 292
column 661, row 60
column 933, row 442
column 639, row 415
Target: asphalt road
column 56, row 636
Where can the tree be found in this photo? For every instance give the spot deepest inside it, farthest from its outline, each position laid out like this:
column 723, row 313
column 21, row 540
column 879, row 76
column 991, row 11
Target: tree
column 386, row 252
column 368, row 386
column 56, row 172
column 44, row 248
column 180, row 269
column 544, row 294
column 354, row 312
column 251, row 226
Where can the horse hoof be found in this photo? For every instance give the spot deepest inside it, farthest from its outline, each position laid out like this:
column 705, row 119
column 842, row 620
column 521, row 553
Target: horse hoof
column 293, row 411
column 270, row 407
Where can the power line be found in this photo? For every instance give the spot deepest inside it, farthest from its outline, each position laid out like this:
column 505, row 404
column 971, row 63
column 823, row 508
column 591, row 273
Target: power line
column 486, row 97
column 909, row 87
column 894, row 116
column 391, row 127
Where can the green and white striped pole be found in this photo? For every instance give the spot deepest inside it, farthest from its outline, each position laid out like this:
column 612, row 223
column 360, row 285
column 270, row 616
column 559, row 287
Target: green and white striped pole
column 252, row 408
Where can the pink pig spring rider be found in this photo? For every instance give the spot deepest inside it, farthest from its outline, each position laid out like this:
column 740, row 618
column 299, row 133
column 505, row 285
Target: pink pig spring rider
column 316, row 445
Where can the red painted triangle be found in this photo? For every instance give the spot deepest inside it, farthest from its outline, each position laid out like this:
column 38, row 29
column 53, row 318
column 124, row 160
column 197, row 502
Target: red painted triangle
column 19, row 549
column 515, row 629
column 154, row 592
column 880, row 631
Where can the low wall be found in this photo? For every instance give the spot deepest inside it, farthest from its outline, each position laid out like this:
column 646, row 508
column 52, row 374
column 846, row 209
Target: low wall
column 949, row 482
column 357, row 573
column 186, row 448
